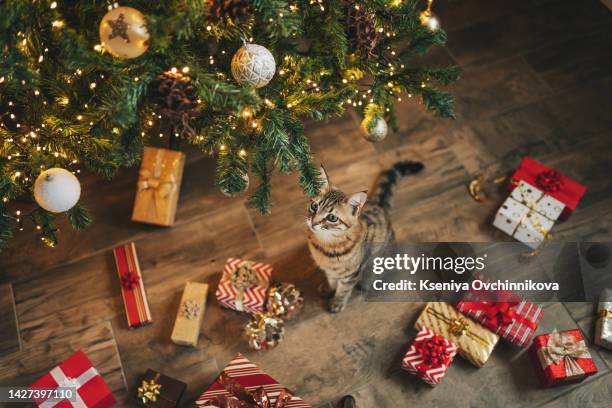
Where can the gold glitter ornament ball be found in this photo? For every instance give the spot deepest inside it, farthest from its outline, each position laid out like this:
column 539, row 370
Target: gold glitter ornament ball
column 253, row 65
column 374, row 130
column 124, row 33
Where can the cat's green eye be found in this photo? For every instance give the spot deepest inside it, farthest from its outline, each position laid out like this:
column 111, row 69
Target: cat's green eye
column 314, row 206
column 331, row 218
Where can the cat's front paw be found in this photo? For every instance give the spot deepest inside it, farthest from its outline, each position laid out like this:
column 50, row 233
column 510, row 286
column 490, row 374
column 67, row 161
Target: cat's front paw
column 337, row 305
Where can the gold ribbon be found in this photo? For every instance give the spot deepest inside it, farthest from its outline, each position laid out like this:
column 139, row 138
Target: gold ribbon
column 154, row 187
column 532, row 209
column 149, row 391
column 564, row 347
column 243, row 278
column 459, row 326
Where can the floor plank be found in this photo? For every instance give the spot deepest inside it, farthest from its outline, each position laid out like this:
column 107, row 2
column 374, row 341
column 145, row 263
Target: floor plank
column 10, row 340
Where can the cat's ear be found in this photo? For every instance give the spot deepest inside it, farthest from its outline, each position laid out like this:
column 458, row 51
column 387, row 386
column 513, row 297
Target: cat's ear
column 357, row 200
column 325, row 185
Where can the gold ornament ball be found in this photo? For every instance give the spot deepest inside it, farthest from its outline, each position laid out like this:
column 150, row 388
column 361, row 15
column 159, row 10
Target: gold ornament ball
column 374, row 132
column 430, row 20
column 253, row 65
column 123, row 33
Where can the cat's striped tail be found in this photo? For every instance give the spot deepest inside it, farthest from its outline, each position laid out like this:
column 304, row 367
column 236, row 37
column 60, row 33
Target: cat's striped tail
column 385, row 185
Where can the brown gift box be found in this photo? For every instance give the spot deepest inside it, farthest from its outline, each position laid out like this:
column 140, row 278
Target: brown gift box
column 159, row 182
column 475, row 341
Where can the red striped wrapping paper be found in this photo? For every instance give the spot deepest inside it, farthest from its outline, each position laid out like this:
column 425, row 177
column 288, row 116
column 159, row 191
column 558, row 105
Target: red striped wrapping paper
column 254, row 298
column 413, row 360
column 251, row 377
column 135, row 300
column 518, row 332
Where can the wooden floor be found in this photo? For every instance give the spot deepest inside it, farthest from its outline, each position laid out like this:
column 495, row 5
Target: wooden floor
column 537, row 81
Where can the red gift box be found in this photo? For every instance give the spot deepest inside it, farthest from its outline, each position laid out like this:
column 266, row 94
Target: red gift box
column 503, row 312
column 562, row 357
column 551, row 182
column 429, row 356
column 132, row 287
column 242, row 380
column 76, row 372
column 244, row 285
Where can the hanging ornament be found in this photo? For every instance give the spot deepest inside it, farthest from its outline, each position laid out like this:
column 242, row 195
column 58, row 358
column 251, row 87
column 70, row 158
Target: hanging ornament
column 245, row 177
column 123, row 33
column 177, row 101
column 429, row 19
column 375, row 129
column 57, row 190
column 253, row 65
column 284, row 300
column 361, row 30
column 265, row 331
column 233, row 11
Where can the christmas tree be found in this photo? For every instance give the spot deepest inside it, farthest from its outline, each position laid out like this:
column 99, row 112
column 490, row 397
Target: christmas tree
column 89, row 83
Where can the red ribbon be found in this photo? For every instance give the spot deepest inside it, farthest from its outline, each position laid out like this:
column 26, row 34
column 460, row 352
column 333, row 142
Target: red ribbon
column 549, row 181
column 240, row 397
column 434, row 352
column 130, row 280
column 498, row 314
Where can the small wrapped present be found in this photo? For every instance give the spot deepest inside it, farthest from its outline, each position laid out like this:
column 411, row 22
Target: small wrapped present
column 243, row 384
column 429, row 356
column 603, row 326
column 132, row 287
column 562, row 357
column 190, row 314
column 551, row 183
column 503, row 312
column 76, row 372
column 156, row 390
column 244, row 285
column 528, row 214
column 475, row 341
column 159, row 182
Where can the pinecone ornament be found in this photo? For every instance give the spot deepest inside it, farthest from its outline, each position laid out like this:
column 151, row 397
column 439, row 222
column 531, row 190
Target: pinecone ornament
column 236, row 11
column 361, row 30
column 177, row 101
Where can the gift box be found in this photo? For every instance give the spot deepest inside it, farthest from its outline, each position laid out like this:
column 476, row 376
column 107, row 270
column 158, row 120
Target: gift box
column 429, row 356
column 132, row 287
column 561, row 357
column 503, row 312
column 603, row 326
column 244, row 285
column 475, row 341
column 551, row 182
column 190, row 314
column 159, row 181
column 159, row 391
column 76, row 372
column 242, row 382
column 528, row 214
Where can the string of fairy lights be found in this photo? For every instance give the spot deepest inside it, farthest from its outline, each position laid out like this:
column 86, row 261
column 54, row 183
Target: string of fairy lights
column 39, row 138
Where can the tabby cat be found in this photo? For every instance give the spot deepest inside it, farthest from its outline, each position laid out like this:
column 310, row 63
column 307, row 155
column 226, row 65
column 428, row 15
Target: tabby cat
column 342, row 227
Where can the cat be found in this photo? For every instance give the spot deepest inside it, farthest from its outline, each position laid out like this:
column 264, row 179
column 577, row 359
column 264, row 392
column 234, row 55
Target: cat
column 342, row 227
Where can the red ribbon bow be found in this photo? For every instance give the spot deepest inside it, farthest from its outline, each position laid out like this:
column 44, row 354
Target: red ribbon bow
column 240, row 397
column 499, row 314
column 130, row 280
column 434, row 352
column 549, row 181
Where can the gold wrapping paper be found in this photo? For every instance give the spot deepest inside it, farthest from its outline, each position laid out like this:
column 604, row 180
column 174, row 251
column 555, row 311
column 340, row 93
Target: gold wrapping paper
column 159, row 183
column 603, row 326
column 475, row 341
column 190, row 314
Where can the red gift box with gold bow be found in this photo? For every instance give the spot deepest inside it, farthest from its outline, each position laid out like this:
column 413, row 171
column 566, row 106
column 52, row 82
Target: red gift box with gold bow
column 503, row 312
column 551, row 182
column 562, row 357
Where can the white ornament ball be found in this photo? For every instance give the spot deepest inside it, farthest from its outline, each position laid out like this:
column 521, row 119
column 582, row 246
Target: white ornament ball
column 253, row 65
column 123, row 33
column 374, row 132
column 57, row 190
column 246, row 187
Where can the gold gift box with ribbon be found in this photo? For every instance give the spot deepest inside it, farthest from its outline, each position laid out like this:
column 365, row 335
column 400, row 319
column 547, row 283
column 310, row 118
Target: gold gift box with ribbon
column 475, row 341
column 159, row 182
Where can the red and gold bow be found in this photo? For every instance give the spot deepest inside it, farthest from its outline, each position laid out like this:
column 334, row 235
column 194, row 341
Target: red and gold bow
column 434, row 351
column 549, row 181
column 499, row 314
column 240, row 397
column 562, row 346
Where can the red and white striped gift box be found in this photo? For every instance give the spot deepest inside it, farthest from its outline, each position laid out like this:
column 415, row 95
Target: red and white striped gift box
column 251, row 377
column 253, row 298
column 521, row 320
column 134, row 297
column 413, row 360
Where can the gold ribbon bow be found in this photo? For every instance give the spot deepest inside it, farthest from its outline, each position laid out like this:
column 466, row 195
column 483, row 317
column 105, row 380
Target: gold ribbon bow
column 564, row 347
column 157, row 187
column 149, row 391
column 459, row 326
column 243, row 278
column 532, row 209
